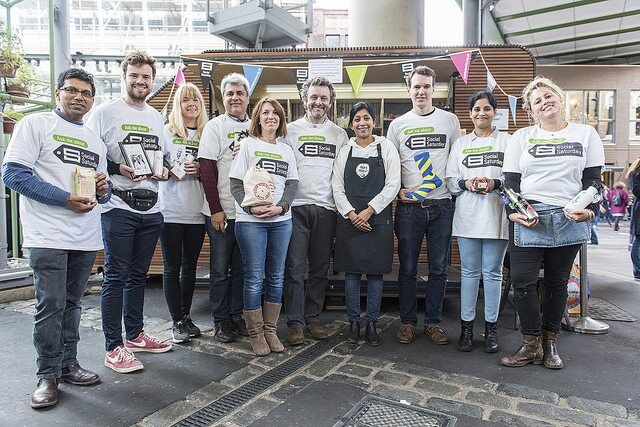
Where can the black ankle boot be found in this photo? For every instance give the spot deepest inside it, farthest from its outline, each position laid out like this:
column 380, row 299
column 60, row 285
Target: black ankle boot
column 466, row 336
column 371, row 334
column 491, row 337
column 354, row 333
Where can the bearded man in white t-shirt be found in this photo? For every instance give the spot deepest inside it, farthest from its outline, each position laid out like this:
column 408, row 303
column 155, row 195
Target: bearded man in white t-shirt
column 315, row 140
column 61, row 229
column 131, row 220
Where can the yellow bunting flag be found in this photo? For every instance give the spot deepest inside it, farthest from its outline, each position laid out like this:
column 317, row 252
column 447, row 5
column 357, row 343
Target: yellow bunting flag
column 356, row 75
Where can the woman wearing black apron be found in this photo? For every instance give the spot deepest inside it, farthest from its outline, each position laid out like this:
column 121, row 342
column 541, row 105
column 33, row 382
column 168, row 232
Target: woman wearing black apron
column 366, row 179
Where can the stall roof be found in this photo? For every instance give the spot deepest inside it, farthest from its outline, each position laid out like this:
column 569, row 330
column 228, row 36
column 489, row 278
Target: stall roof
column 573, row 32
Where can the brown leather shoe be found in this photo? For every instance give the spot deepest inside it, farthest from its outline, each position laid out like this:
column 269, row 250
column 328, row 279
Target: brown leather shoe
column 551, row 358
column 45, row 394
column 406, row 333
column 77, row 375
column 318, row 332
column 295, row 336
column 529, row 352
column 437, row 335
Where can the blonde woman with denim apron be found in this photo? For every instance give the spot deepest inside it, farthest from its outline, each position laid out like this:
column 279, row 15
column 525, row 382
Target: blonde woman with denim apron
column 548, row 163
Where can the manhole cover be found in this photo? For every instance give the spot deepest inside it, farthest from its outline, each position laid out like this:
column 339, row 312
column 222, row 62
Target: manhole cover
column 602, row 309
column 375, row 411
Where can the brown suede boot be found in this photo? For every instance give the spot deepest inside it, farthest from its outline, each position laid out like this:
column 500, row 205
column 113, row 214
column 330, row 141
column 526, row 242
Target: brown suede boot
column 271, row 314
column 551, row 358
column 529, row 352
column 255, row 326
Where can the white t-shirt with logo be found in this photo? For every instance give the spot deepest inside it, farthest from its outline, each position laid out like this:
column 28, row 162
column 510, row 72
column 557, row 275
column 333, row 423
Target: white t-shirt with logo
column 420, row 138
column 316, row 148
column 116, row 121
column 53, row 148
column 181, row 200
column 278, row 159
column 478, row 216
column 216, row 143
column 551, row 163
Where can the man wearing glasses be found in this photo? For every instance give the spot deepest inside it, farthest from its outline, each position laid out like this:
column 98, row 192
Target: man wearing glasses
column 61, row 230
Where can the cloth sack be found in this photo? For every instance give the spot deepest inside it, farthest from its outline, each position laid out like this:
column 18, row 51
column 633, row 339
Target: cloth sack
column 258, row 187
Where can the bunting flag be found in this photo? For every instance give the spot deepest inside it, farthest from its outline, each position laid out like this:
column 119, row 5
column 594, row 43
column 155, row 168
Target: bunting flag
column 356, row 75
column 301, row 75
column 491, row 82
column 180, row 80
column 462, row 60
column 252, row 73
column 406, row 69
column 206, row 69
column 513, row 101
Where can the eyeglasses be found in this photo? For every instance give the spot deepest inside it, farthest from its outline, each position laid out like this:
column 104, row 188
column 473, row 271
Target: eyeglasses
column 87, row 94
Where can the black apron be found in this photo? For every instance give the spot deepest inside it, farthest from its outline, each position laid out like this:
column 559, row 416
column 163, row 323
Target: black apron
column 357, row 251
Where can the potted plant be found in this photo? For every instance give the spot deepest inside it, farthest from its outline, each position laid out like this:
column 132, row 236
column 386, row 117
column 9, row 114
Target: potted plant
column 26, row 78
column 11, row 51
column 9, row 119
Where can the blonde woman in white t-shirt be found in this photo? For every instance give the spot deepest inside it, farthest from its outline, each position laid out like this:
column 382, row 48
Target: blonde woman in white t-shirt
column 474, row 175
column 181, row 200
column 548, row 163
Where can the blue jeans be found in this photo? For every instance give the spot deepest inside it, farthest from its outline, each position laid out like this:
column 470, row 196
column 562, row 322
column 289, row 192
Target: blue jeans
column 374, row 296
column 60, row 278
column 412, row 223
column 263, row 246
column 635, row 256
column 481, row 257
column 129, row 241
column 225, row 277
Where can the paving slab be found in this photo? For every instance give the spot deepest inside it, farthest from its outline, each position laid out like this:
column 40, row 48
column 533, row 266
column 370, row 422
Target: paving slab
column 120, row 399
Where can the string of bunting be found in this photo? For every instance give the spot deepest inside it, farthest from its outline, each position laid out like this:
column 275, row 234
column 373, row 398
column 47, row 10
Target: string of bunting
column 356, row 73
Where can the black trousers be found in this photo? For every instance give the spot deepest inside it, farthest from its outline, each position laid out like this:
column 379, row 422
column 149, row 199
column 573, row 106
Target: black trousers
column 181, row 245
column 525, row 267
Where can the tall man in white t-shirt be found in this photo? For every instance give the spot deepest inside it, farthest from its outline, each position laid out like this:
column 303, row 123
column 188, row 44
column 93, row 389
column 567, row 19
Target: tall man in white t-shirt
column 61, row 229
column 423, row 137
column 316, row 141
column 215, row 155
column 131, row 220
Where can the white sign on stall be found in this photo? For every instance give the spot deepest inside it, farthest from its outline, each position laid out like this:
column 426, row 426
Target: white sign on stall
column 501, row 120
column 329, row 68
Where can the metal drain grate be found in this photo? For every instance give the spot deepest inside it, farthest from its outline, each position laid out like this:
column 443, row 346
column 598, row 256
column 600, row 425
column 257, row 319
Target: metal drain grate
column 602, row 309
column 238, row 397
column 380, row 412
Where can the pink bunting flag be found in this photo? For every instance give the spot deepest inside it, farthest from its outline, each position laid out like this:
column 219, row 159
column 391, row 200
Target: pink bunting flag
column 462, row 60
column 180, row 80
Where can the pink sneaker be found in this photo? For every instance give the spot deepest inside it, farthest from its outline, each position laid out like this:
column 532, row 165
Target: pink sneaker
column 147, row 343
column 121, row 359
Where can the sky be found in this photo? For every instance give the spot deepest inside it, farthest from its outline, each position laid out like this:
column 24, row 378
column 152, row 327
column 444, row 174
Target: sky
column 443, row 28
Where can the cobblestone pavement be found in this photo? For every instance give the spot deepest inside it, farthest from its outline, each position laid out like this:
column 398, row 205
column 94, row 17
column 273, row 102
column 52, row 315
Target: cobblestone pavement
column 452, row 393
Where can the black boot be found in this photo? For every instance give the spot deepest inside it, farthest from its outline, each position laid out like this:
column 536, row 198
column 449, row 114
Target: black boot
column 371, row 334
column 491, row 337
column 354, row 333
column 466, row 336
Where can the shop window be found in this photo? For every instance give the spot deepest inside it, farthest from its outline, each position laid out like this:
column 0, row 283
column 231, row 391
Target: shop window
column 634, row 116
column 595, row 108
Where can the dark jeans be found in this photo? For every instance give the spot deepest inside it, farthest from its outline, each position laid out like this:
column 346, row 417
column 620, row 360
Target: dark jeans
column 181, row 245
column 412, row 224
column 352, row 294
column 60, row 278
column 129, row 241
column 635, row 256
column 225, row 277
column 524, row 269
column 314, row 229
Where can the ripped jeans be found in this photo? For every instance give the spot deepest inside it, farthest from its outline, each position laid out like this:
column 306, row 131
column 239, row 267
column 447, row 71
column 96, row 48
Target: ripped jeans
column 525, row 265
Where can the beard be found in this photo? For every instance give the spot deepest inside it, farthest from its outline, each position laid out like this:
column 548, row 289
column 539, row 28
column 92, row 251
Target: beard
column 134, row 93
column 317, row 115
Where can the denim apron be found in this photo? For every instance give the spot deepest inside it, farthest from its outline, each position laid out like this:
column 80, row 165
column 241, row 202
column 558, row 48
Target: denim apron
column 357, row 251
column 553, row 230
